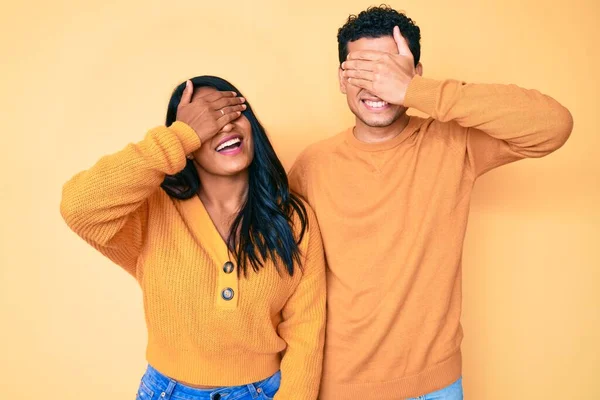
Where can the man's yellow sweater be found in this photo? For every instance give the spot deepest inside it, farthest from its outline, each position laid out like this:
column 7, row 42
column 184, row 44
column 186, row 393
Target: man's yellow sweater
column 393, row 216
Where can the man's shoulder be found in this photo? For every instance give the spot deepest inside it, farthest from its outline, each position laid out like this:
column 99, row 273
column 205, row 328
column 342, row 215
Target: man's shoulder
column 430, row 131
column 322, row 149
column 312, row 159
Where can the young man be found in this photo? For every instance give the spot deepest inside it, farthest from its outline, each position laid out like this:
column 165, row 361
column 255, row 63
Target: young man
column 392, row 199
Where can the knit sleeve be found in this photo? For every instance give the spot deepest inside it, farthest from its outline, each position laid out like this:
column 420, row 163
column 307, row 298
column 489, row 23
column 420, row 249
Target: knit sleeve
column 303, row 325
column 504, row 123
column 107, row 205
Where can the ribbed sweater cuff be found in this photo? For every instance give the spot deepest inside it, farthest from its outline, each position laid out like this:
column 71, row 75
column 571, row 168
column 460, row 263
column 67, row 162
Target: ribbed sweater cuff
column 188, row 137
column 422, row 94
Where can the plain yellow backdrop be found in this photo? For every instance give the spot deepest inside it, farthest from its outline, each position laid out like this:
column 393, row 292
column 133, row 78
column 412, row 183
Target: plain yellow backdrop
column 82, row 79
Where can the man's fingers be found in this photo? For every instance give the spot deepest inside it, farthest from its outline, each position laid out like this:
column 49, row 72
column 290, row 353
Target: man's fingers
column 369, row 55
column 226, row 101
column 403, row 48
column 359, row 64
column 355, row 73
column 186, row 97
column 361, row 83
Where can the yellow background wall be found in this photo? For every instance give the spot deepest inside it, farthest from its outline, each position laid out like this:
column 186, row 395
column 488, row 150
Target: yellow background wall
column 81, row 79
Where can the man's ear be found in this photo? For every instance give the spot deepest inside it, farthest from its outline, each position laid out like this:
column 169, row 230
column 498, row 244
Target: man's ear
column 419, row 69
column 343, row 81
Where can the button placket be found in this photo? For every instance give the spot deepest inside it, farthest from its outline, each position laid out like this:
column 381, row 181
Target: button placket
column 228, row 267
column 227, row 294
column 227, row 287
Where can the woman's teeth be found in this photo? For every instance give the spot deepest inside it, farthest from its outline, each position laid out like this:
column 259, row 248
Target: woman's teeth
column 375, row 104
column 228, row 143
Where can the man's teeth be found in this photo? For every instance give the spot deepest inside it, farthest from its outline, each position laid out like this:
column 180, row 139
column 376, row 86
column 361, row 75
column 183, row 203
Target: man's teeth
column 228, row 143
column 375, row 104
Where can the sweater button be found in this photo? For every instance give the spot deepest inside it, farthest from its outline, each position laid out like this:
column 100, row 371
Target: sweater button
column 227, row 294
column 228, row 267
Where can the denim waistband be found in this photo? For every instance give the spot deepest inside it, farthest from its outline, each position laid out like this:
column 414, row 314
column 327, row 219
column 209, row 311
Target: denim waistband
column 157, row 382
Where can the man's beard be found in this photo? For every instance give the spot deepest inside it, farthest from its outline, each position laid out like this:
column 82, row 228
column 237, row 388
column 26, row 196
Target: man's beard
column 382, row 123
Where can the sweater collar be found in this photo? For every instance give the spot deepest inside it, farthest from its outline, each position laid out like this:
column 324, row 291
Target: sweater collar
column 386, row 145
column 205, row 231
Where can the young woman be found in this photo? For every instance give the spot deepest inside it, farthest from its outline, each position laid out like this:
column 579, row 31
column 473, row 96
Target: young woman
column 229, row 261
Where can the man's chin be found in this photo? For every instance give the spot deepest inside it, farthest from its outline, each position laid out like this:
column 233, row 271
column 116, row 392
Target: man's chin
column 378, row 123
column 381, row 121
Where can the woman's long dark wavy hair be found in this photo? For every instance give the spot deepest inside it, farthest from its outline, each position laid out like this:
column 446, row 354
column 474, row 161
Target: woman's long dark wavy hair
column 265, row 222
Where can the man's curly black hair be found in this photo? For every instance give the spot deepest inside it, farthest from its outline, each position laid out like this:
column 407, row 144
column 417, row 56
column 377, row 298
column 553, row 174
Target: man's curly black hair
column 376, row 22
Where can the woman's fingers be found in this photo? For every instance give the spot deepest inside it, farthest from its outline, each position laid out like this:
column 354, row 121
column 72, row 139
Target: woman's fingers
column 226, row 101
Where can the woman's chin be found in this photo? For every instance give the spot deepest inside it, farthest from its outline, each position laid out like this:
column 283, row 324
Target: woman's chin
column 234, row 170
